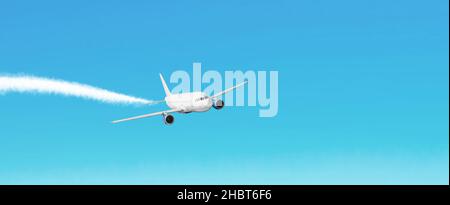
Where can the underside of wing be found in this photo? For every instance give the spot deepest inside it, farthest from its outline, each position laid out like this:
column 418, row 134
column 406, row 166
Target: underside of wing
column 146, row 115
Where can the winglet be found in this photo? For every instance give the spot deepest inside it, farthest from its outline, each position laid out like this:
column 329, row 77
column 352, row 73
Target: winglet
column 166, row 89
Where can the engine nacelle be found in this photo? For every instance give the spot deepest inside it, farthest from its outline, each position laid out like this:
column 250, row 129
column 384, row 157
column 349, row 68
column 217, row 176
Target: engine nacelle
column 168, row 119
column 218, row 104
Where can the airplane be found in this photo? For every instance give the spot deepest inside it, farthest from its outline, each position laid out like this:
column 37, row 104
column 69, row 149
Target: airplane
column 185, row 103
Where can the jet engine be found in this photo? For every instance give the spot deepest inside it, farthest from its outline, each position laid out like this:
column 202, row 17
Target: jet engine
column 168, row 119
column 218, row 104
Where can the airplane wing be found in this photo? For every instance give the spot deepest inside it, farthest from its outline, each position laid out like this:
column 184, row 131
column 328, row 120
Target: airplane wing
column 146, row 115
column 228, row 90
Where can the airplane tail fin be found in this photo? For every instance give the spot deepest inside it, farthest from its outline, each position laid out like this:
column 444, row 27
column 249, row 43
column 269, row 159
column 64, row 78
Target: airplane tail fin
column 166, row 89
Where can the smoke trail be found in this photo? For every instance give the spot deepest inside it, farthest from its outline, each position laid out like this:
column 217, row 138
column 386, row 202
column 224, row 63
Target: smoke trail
column 32, row 84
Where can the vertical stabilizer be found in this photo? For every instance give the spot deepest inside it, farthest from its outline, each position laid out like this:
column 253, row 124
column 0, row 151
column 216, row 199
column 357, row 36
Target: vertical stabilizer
column 166, row 89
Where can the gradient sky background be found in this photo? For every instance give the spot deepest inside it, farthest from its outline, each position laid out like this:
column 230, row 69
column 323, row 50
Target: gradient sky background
column 363, row 92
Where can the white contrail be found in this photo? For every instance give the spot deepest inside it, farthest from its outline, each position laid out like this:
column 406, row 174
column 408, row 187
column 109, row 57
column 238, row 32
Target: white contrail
column 32, row 84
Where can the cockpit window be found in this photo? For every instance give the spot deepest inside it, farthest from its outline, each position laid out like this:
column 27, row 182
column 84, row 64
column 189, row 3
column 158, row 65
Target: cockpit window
column 202, row 98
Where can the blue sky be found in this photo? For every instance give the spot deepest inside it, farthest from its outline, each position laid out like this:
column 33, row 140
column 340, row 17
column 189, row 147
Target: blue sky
column 363, row 92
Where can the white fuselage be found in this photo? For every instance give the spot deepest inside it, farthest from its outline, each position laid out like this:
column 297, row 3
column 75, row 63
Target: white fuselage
column 189, row 102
